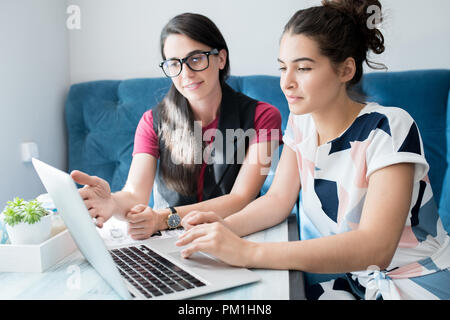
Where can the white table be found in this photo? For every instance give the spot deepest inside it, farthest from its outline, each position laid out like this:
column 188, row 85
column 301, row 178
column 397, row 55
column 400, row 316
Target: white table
column 75, row 278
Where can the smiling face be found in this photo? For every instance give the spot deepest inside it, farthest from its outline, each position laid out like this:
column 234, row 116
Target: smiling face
column 195, row 86
column 308, row 79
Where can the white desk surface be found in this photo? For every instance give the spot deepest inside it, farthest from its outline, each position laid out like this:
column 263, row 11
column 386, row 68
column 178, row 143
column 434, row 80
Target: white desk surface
column 55, row 283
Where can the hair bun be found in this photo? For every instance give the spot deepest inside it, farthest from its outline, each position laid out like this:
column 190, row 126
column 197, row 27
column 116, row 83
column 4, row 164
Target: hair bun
column 366, row 14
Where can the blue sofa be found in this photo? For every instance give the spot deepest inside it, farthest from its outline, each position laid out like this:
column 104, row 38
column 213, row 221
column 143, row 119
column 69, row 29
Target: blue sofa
column 102, row 116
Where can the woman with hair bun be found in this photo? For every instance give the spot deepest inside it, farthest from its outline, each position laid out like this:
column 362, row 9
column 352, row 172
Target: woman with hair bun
column 361, row 169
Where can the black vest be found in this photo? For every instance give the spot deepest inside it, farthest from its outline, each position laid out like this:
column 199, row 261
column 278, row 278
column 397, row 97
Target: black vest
column 237, row 111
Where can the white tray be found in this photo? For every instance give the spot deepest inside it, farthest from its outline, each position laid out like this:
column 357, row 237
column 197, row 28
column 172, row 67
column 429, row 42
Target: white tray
column 36, row 258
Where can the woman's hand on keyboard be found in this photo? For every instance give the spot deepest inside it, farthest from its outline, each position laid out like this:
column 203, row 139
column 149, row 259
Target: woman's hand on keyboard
column 195, row 218
column 216, row 239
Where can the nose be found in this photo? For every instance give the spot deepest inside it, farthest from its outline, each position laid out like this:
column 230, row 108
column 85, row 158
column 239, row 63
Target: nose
column 186, row 72
column 288, row 80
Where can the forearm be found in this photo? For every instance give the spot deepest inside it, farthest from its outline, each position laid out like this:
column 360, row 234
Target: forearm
column 124, row 201
column 223, row 206
column 139, row 185
column 263, row 213
column 373, row 243
column 347, row 252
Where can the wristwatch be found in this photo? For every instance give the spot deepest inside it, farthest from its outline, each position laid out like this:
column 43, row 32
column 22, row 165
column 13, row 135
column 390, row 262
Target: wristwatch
column 174, row 219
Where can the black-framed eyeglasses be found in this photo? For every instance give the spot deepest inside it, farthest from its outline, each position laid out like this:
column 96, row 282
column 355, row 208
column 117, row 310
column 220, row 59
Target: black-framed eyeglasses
column 197, row 61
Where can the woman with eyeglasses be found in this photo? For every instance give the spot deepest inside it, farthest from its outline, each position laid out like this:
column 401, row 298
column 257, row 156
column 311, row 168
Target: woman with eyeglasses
column 201, row 168
column 361, row 169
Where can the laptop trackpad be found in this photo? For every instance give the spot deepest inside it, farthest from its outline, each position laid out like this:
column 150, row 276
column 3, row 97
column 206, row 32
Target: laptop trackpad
column 199, row 260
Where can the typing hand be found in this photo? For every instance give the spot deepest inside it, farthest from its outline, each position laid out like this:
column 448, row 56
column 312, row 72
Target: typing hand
column 195, row 218
column 96, row 195
column 218, row 240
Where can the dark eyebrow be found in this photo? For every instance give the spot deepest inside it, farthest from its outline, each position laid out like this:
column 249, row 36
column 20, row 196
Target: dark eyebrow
column 189, row 54
column 298, row 60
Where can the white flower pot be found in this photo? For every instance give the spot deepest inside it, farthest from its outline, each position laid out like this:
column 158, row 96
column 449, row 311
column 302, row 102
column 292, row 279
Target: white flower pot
column 24, row 233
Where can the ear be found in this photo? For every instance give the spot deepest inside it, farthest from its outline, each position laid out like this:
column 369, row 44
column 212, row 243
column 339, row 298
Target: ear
column 347, row 70
column 223, row 54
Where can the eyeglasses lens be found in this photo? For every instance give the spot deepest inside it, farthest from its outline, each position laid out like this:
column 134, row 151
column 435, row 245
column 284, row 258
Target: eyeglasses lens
column 197, row 62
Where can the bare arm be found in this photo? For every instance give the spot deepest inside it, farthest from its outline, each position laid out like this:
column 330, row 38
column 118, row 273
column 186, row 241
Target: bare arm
column 383, row 218
column 374, row 242
column 97, row 196
column 248, row 183
column 144, row 221
column 276, row 205
column 138, row 188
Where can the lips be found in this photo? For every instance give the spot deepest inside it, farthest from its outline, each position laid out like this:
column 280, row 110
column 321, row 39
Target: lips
column 193, row 85
column 293, row 99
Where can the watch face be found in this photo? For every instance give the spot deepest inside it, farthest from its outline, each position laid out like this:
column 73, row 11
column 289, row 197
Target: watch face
column 174, row 221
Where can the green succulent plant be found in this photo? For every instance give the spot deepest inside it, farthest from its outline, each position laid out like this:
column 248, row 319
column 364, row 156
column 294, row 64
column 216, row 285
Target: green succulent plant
column 18, row 211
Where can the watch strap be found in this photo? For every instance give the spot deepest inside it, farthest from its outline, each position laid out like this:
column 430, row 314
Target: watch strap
column 172, row 209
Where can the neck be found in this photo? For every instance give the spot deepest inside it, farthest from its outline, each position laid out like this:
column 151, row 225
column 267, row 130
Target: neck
column 207, row 109
column 333, row 120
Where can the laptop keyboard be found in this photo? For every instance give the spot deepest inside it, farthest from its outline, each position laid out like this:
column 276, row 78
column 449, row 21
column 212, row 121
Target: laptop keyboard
column 150, row 273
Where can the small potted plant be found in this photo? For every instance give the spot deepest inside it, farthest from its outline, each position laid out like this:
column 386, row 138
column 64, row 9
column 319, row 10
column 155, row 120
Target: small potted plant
column 27, row 222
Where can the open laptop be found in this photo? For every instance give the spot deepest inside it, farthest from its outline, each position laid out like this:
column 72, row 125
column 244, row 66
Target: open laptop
column 150, row 269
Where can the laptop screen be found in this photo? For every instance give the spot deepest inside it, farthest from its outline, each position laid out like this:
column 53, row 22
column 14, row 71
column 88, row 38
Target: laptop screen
column 71, row 207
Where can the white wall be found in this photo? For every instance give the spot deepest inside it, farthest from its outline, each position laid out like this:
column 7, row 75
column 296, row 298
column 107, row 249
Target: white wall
column 417, row 34
column 34, row 79
column 120, row 38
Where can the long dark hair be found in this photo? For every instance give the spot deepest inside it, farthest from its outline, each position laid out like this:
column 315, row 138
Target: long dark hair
column 340, row 27
column 176, row 119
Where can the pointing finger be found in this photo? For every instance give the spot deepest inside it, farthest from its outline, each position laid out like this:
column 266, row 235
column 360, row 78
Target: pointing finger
column 84, row 178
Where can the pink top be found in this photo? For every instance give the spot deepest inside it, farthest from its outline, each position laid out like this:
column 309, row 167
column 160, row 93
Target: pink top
column 267, row 118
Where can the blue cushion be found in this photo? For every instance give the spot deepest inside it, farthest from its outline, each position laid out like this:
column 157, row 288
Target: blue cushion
column 444, row 204
column 424, row 95
column 266, row 89
column 101, row 118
